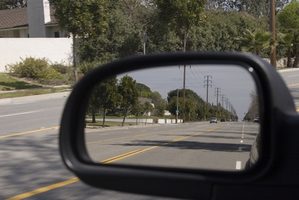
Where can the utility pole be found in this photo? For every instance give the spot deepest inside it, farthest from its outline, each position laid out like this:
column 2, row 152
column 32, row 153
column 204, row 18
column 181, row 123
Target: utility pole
column 184, row 83
column 222, row 101
column 177, row 107
column 226, row 103
column 184, row 94
column 207, row 84
column 273, row 33
column 217, row 91
column 144, row 42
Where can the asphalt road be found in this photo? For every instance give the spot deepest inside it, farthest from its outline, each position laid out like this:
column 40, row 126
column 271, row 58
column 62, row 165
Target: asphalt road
column 201, row 145
column 30, row 113
column 291, row 77
column 31, row 166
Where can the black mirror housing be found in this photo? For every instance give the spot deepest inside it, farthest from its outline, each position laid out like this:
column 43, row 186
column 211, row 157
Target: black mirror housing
column 277, row 108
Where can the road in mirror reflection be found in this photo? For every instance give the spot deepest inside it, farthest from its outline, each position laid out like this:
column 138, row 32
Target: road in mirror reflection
column 151, row 118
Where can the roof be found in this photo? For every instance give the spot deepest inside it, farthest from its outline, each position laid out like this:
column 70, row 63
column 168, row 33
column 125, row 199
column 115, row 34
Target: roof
column 13, row 18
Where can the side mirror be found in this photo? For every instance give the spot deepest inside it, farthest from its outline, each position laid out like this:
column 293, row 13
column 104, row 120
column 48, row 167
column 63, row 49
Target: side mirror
column 176, row 125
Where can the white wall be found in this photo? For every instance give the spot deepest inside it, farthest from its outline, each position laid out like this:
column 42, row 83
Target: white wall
column 54, row 49
column 169, row 121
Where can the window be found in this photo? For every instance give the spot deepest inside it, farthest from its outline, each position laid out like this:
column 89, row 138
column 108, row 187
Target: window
column 56, row 34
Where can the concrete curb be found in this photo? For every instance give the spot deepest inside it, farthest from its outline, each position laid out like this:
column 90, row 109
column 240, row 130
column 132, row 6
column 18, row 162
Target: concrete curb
column 97, row 128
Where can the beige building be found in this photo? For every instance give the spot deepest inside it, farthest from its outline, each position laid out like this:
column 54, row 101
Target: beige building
column 37, row 20
column 32, row 32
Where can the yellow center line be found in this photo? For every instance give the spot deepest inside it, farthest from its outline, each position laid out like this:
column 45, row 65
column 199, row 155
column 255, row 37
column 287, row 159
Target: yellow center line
column 106, row 161
column 127, row 155
column 28, row 132
column 109, row 160
column 45, row 189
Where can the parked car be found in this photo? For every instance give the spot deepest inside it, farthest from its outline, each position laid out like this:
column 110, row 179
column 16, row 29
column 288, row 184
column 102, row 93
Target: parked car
column 213, row 120
column 257, row 120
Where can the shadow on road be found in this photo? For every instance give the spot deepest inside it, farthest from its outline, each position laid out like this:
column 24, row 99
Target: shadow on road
column 226, row 147
column 28, row 163
column 213, row 136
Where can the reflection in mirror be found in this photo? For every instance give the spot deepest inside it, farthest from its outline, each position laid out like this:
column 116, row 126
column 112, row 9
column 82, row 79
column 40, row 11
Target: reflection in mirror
column 198, row 116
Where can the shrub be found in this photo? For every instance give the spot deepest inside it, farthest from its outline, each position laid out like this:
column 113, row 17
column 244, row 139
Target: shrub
column 37, row 69
column 63, row 69
column 87, row 66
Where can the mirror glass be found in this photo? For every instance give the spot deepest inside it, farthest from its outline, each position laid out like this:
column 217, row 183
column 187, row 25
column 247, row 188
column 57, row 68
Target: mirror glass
column 192, row 116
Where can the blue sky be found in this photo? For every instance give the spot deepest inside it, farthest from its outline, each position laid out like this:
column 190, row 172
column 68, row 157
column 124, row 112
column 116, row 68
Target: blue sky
column 235, row 82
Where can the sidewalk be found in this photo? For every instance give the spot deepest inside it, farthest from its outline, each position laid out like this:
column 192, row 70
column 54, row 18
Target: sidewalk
column 288, row 70
column 34, row 98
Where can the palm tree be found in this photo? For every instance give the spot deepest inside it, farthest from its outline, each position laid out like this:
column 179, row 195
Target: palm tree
column 255, row 41
column 286, row 41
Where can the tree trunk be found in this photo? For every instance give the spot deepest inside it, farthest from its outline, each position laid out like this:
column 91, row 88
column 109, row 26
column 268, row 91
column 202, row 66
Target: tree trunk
column 185, row 42
column 296, row 61
column 146, row 119
column 124, row 118
column 75, row 70
column 93, row 114
column 104, row 116
column 289, row 57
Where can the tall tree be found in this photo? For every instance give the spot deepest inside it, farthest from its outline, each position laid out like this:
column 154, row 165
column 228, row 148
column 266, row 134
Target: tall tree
column 257, row 8
column 11, row 4
column 219, row 30
column 181, row 16
column 94, row 104
column 83, row 19
column 159, row 102
column 129, row 95
column 138, row 110
column 108, row 96
column 194, row 104
column 286, row 46
column 289, row 22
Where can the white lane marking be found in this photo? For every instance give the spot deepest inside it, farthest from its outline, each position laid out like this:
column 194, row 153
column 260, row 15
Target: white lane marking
column 292, row 76
column 238, row 165
column 243, row 131
column 242, row 136
column 21, row 113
